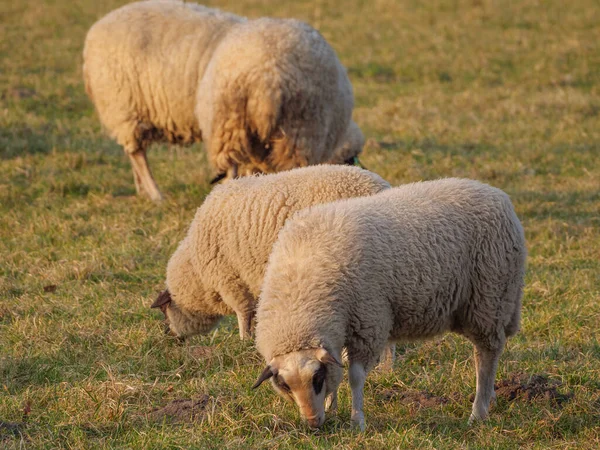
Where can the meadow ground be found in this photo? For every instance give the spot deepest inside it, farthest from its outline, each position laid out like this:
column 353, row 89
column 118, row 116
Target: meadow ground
column 504, row 92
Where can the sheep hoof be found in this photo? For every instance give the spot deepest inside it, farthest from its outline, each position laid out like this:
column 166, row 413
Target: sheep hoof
column 358, row 420
column 474, row 419
column 157, row 197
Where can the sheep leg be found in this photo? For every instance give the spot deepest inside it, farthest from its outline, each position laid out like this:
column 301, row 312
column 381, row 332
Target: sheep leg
column 486, row 365
column 357, row 376
column 331, row 402
column 138, row 182
column 236, row 295
column 232, row 172
column 245, row 324
column 143, row 176
column 388, row 356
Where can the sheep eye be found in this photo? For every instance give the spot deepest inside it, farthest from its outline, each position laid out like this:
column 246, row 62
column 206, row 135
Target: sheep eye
column 319, row 378
column 281, row 384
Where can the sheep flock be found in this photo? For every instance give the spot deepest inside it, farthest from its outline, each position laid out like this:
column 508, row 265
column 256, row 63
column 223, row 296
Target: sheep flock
column 325, row 265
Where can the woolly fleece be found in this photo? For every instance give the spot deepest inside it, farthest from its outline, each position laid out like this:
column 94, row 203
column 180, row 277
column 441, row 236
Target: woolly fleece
column 265, row 94
column 226, row 250
column 409, row 263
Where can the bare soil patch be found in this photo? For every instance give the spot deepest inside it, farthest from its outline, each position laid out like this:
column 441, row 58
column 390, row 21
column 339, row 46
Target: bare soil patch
column 201, row 351
column 528, row 388
column 10, row 428
column 421, row 399
column 181, row 410
column 18, row 93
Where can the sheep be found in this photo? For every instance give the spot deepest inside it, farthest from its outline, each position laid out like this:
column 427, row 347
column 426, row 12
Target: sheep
column 409, row 263
column 219, row 266
column 264, row 95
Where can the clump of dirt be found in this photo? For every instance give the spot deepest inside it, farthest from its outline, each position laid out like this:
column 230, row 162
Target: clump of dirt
column 181, row 410
column 422, row 399
column 201, row 351
column 18, row 93
column 50, row 288
column 528, row 388
column 10, row 428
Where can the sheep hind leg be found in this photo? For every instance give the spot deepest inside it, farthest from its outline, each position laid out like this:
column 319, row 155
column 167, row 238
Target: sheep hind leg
column 144, row 182
column 486, row 366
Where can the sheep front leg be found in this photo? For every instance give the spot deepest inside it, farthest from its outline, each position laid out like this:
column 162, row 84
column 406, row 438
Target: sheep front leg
column 486, row 365
column 236, row 295
column 245, row 324
column 143, row 176
column 331, row 402
column 357, row 376
column 387, row 358
column 232, row 172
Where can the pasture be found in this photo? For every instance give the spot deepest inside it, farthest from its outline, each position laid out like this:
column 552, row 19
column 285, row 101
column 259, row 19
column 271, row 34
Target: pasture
column 504, row 92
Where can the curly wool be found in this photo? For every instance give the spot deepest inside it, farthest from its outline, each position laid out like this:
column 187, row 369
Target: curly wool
column 219, row 267
column 409, row 263
column 265, row 95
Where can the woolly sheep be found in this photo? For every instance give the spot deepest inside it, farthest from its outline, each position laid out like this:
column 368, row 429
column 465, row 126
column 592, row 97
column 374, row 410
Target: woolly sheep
column 265, row 95
column 409, row 263
column 219, row 266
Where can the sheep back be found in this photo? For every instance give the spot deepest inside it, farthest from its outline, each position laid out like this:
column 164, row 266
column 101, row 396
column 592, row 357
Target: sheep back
column 234, row 230
column 275, row 96
column 142, row 66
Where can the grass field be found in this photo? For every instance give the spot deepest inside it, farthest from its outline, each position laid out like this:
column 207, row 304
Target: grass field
column 504, row 92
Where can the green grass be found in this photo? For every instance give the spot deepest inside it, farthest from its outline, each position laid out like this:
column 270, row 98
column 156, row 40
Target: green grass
column 504, row 92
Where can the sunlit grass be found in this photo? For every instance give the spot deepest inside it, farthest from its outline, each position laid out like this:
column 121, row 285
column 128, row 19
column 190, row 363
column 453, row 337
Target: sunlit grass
column 504, row 93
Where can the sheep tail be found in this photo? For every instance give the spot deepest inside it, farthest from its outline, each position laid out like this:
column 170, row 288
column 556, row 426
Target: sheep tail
column 247, row 132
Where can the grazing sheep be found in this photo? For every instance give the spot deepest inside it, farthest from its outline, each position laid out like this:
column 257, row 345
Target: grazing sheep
column 265, row 95
column 219, row 266
column 409, row 263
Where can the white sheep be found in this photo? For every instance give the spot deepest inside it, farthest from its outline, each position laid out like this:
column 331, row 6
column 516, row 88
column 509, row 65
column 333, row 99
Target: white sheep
column 409, row 263
column 265, row 95
column 219, row 266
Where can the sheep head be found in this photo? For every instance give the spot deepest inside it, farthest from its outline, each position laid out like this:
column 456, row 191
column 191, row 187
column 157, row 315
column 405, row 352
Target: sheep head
column 182, row 322
column 349, row 147
column 305, row 377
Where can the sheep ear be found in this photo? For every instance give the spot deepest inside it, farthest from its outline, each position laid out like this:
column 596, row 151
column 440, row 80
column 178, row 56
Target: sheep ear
column 327, row 358
column 162, row 301
column 265, row 375
column 218, row 178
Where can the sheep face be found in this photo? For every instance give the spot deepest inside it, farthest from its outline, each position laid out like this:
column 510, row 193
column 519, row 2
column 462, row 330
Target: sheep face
column 182, row 322
column 349, row 147
column 305, row 377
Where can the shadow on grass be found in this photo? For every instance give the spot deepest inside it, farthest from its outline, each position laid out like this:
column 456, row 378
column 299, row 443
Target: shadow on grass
column 20, row 374
column 22, row 139
column 570, row 206
column 431, row 145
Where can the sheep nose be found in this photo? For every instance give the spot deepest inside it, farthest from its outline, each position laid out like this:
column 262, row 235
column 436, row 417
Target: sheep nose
column 315, row 422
